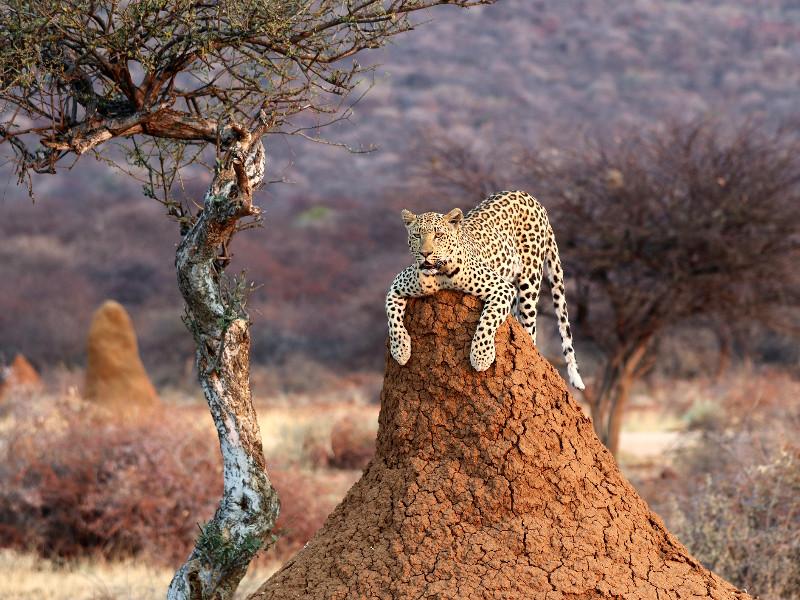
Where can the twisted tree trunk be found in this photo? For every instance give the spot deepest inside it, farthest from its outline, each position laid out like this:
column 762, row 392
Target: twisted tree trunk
column 249, row 507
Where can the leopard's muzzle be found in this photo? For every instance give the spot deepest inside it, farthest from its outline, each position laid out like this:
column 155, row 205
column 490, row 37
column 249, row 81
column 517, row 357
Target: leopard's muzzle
column 431, row 268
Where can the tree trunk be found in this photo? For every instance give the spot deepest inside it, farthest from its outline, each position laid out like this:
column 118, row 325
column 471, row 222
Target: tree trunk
column 249, row 507
column 607, row 418
column 607, row 403
column 488, row 485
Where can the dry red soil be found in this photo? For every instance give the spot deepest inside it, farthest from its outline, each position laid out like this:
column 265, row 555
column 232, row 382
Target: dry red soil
column 488, row 485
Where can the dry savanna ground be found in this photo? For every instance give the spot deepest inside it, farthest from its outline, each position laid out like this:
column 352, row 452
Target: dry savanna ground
column 316, row 445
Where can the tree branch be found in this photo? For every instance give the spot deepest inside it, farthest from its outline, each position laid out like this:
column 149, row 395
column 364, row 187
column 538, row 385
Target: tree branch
column 160, row 122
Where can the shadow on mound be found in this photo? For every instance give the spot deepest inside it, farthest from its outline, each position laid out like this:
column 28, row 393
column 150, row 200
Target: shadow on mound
column 488, row 485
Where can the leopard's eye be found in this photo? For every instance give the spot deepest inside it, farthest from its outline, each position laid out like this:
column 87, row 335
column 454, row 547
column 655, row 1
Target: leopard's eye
column 415, row 236
column 438, row 235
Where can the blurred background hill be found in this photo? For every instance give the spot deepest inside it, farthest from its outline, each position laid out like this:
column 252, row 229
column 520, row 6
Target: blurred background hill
column 520, row 70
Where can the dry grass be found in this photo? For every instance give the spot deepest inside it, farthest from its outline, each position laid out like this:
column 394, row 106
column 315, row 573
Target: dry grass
column 292, row 435
column 27, row 577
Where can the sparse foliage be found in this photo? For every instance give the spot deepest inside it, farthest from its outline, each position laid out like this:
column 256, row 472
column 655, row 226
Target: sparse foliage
column 178, row 74
column 227, row 554
column 689, row 221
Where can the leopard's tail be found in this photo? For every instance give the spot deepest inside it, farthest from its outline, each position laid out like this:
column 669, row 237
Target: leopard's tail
column 556, row 276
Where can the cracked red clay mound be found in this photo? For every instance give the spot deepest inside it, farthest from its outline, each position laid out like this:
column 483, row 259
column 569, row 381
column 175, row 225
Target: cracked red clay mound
column 488, row 485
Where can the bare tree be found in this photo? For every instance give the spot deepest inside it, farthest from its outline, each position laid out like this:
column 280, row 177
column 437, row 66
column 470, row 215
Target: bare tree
column 683, row 222
column 680, row 222
column 178, row 82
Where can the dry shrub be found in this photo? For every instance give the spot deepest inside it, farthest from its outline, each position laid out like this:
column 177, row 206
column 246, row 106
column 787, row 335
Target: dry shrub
column 75, row 482
column 325, row 436
column 745, row 524
column 316, row 450
column 297, row 373
column 737, row 506
column 307, row 498
column 352, row 442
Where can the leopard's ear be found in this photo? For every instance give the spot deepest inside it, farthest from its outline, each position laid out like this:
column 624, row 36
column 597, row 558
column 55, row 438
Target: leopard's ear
column 454, row 217
column 409, row 217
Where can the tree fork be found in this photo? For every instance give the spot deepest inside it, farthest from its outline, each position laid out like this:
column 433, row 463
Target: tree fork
column 607, row 404
column 249, row 507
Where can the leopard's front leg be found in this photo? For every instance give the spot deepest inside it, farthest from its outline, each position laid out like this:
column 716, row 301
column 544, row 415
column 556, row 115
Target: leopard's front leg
column 498, row 297
column 406, row 285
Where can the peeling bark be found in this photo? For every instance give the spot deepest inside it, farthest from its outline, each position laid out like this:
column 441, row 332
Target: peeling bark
column 159, row 121
column 249, row 507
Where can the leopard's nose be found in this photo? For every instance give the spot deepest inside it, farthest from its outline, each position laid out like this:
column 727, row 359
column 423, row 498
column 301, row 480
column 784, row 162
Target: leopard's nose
column 426, row 254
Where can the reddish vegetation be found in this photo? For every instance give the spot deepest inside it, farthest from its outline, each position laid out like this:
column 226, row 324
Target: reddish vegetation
column 488, row 485
column 74, row 483
column 352, row 443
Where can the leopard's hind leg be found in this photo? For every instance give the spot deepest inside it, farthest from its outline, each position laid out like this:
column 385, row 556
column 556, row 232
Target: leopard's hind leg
column 529, row 284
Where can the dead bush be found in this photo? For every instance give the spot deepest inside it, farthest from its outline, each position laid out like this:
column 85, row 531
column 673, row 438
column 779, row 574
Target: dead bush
column 736, row 505
column 316, row 450
column 77, row 483
column 307, row 498
column 744, row 522
column 352, row 442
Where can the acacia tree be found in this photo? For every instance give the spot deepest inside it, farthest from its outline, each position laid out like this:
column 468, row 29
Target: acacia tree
column 686, row 222
column 176, row 83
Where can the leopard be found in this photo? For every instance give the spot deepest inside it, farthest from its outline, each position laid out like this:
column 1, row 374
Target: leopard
column 497, row 252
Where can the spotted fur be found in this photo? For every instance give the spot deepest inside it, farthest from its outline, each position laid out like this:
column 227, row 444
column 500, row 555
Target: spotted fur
column 496, row 252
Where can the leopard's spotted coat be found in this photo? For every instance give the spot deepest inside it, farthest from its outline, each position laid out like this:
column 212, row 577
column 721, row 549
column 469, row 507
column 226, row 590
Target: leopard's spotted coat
column 496, row 252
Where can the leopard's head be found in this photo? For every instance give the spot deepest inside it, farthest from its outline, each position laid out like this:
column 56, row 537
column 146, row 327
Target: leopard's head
column 432, row 238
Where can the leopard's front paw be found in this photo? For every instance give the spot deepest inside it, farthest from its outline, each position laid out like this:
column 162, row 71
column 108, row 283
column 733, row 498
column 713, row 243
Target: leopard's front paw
column 481, row 354
column 400, row 345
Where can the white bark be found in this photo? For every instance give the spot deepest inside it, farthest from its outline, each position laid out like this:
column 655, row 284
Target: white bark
column 249, row 507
